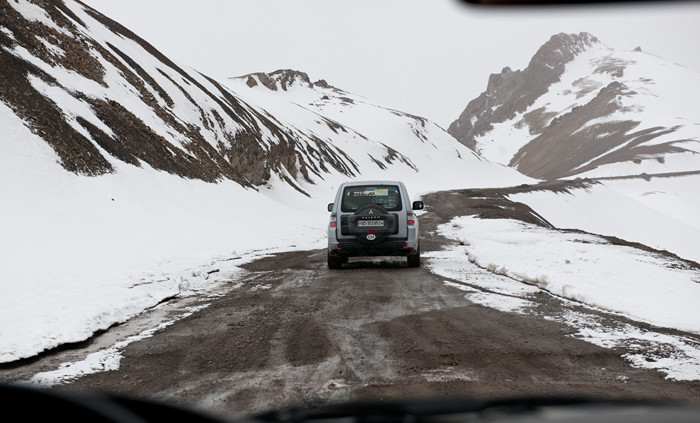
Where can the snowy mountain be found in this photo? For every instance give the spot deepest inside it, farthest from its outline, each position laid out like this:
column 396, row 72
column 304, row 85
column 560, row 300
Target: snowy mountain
column 127, row 179
column 583, row 109
column 628, row 122
column 99, row 94
column 385, row 137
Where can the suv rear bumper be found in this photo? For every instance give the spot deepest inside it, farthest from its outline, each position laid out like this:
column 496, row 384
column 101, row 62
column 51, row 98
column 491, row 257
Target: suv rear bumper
column 354, row 248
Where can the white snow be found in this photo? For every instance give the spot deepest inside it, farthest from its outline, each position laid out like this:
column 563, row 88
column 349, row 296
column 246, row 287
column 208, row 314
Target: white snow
column 58, row 51
column 33, row 12
column 674, row 196
column 505, row 139
column 501, row 263
column 7, row 32
column 602, row 210
column 80, row 254
column 688, row 161
column 585, row 268
column 100, row 361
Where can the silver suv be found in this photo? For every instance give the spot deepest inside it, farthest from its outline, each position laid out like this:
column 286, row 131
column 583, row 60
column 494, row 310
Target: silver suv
column 373, row 218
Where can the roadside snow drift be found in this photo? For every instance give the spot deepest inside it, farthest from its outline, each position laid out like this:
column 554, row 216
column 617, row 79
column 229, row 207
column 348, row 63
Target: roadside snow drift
column 504, row 264
column 645, row 286
column 625, row 212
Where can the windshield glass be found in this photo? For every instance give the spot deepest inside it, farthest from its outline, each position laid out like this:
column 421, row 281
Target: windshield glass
column 166, row 169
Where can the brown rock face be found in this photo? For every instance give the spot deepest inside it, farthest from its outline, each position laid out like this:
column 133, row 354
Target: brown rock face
column 571, row 145
column 76, row 153
column 285, row 78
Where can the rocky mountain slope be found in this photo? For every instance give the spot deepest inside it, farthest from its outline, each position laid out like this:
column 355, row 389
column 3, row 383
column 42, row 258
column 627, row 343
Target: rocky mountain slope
column 100, row 95
column 581, row 108
column 385, row 137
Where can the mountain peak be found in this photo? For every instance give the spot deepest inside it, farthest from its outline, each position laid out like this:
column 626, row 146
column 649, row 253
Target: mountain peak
column 583, row 108
column 567, row 43
column 561, row 49
column 514, row 91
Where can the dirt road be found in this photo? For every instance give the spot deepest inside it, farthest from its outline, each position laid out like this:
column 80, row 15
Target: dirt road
column 297, row 333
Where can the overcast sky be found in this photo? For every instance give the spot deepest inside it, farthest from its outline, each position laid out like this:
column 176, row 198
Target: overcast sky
column 426, row 57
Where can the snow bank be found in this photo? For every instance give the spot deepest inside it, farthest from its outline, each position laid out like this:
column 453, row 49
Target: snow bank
column 512, row 270
column 585, row 268
column 602, row 210
column 674, row 196
column 80, row 254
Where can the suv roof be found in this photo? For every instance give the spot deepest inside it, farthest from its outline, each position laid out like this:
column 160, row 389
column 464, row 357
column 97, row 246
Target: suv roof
column 359, row 183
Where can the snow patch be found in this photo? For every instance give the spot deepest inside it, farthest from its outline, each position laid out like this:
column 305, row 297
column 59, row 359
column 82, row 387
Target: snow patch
column 602, row 210
column 33, row 12
column 585, row 268
column 633, row 283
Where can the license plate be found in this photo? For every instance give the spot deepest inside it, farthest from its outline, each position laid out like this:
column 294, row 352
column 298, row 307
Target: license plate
column 372, row 223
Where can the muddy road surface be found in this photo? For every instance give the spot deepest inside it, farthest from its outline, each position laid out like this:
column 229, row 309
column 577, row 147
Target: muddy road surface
column 295, row 333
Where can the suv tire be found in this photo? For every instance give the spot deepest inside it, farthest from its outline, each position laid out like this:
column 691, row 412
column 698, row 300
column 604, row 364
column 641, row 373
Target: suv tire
column 414, row 259
column 335, row 262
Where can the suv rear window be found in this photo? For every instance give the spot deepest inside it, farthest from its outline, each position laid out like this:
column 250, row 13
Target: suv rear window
column 387, row 196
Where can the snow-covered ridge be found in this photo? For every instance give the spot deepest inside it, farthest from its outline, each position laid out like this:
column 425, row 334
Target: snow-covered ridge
column 511, row 92
column 98, row 94
column 596, row 111
column 412, row 140
column 660, row 214
column 283, row 79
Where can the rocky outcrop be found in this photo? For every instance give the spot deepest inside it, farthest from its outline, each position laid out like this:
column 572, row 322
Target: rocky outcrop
column 574, row 145
column 283, row 79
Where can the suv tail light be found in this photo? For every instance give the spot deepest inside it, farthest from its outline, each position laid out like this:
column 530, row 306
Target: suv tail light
column 410, row 218
column 334, row 220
